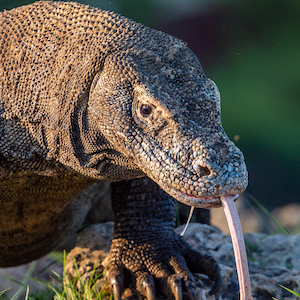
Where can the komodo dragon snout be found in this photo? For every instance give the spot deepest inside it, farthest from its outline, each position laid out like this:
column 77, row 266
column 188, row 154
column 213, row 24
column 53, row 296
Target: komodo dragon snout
column 161, row 112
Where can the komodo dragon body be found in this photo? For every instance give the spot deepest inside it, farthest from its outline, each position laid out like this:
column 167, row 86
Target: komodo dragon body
column 89, row 96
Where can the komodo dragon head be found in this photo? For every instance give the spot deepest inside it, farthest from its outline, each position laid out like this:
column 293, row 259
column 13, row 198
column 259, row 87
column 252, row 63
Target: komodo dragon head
column 119, row 100
column 157, row 108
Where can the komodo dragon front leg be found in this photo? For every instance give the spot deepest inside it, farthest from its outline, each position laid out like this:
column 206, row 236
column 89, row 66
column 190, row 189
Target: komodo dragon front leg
column 145, row 247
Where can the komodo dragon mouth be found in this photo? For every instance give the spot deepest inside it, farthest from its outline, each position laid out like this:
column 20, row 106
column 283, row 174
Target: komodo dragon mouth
column 198, row 202
column 201, row 202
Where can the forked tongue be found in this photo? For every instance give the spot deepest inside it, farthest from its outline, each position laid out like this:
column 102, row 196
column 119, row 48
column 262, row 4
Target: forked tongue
column 239, row 249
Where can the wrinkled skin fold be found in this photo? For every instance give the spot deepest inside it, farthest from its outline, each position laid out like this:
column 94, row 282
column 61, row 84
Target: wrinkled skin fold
column 88, row 96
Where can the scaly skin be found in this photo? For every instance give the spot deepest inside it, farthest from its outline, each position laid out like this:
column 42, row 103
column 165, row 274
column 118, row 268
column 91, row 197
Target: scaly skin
column 146, row 245
column 88, row 95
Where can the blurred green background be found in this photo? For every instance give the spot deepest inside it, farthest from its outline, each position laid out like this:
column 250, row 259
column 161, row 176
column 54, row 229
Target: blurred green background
column 251, row 49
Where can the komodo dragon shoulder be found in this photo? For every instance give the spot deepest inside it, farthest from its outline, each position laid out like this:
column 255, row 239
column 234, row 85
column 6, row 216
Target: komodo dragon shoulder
column 88, row 96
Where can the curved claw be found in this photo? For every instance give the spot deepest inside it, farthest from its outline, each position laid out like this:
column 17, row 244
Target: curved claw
column 178, row 292
column 176, row 286
column 216, row 286
column 192, row 294
column 150, row 295
column 115, row 277
column 116, row 291
column 145, row 285
column 190, row 286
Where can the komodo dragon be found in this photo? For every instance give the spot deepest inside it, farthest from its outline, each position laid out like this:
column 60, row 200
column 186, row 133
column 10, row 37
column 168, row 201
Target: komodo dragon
column 89, row 96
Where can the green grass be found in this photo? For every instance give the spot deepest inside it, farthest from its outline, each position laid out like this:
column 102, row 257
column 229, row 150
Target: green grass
column 70, row 287
column 79, row 288
column 282, row 229
column 289, row 290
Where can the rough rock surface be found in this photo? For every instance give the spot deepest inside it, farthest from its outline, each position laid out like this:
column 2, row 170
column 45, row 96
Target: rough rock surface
column 273, row 260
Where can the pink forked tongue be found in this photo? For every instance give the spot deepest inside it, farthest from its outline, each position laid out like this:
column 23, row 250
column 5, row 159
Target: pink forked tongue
column 239, row 249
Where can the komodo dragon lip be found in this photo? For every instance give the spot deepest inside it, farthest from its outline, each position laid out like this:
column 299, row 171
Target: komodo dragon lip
column 202, row 202
column 199, row 202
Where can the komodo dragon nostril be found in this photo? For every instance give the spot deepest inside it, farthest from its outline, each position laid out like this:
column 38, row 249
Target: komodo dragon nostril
column 201, row 168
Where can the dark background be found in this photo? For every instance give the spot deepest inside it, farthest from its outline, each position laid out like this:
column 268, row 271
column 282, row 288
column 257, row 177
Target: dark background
column 251, row 49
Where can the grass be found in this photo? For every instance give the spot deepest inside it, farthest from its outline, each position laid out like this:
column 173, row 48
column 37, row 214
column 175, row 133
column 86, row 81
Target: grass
column 23, row 284
column 282, row 229
column 289, row 290
column 70, row 287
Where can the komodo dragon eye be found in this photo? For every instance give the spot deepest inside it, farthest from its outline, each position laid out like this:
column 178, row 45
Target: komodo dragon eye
column 146, row 110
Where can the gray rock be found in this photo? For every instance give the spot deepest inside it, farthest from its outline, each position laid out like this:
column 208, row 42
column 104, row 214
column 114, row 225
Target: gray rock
column 273, row 261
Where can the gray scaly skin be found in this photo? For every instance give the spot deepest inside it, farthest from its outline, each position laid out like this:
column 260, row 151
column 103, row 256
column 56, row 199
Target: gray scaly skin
column 90, row 96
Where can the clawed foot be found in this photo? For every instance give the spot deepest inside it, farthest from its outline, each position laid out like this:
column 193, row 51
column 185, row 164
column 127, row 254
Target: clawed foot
column 146, row 253
column 163, row 265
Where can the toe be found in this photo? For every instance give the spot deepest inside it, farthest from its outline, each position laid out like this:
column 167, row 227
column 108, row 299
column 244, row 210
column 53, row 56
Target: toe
column 178, row 264
column 205, row 264
column 176, row 286
column 145, row 285
column 115, row 277
column 216, row 285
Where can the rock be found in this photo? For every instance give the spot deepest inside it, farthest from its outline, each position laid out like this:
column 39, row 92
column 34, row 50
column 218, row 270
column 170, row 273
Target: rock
column 92, row 250
column 96, row 237
column 273, row 260
column 275, row 250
